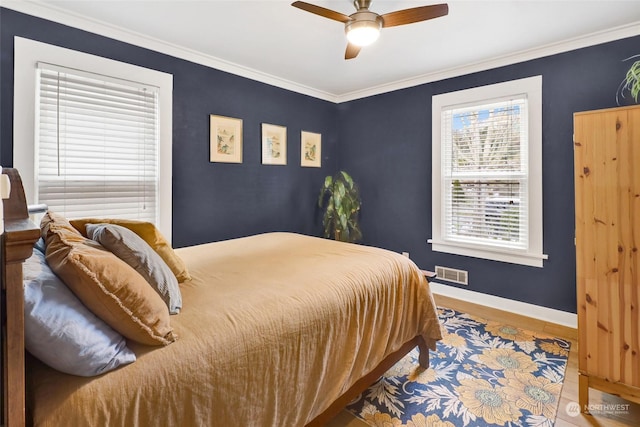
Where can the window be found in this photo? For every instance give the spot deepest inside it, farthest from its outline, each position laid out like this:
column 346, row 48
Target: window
column 97, row 142
column 487, row 172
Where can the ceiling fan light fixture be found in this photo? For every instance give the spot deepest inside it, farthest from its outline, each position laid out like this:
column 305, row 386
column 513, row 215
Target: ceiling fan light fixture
column 363, row 30
column 363, row 27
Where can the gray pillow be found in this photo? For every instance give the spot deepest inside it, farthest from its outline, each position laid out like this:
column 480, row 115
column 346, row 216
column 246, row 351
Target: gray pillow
column 132, row 249
column 61, row 331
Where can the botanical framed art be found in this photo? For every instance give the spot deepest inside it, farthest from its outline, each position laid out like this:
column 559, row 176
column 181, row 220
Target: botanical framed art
column 274, row 144
column 310, row 149
column 225, row 141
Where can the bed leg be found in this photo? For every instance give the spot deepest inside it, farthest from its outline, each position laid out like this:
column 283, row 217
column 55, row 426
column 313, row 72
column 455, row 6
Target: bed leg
column 423, row 358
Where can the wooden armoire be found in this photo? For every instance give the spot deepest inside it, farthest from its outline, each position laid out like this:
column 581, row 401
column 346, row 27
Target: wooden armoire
column 607, row 214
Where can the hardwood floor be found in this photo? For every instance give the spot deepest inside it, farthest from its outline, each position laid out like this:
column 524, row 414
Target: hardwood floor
column 625, row 414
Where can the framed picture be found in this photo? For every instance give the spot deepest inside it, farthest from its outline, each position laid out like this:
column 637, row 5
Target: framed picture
column 274, row 144
column 310, row 149
column 225, row 141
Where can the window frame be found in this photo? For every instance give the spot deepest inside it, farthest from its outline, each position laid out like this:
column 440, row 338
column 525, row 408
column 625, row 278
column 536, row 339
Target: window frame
column 533, row 254
column 28, row 53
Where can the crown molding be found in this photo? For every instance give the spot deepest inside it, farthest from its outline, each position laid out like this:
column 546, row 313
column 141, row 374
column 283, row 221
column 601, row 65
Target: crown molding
column 47, row 11
column 592, row 39
column 50, row 12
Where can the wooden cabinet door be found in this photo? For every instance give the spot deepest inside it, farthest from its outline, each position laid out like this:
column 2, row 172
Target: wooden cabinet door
column 607, row 187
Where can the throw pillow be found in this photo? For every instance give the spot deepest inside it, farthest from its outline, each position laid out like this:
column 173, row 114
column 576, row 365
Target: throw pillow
column 150, row 234
column 109, row 287
column 129, row 247
column 61, row 332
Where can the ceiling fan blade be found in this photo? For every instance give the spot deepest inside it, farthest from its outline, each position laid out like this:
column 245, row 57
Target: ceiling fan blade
column 352, row 51
column 324, row 12
column 416, row 14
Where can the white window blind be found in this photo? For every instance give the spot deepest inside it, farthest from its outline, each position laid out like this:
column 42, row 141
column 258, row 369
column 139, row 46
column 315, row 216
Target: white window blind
column 97, row 145
column 485, row 173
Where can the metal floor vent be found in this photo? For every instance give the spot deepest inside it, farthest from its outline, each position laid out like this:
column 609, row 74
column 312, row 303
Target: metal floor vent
column 452, row 275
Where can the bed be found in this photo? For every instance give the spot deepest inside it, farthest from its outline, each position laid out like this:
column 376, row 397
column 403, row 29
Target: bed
column 277, row 329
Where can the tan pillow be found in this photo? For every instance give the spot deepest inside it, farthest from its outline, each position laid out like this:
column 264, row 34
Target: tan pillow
column 150, row 234
column 109, row 287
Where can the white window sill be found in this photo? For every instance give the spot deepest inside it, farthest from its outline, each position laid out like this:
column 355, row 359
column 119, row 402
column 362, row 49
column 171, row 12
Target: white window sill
column 510, row 256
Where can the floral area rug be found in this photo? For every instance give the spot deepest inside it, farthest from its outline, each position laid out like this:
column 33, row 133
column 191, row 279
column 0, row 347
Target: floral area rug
column 482, row 373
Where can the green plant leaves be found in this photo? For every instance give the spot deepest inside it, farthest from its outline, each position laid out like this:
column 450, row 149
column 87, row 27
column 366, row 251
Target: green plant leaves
column 340, row 219
column 347, row 178
column 631, row 81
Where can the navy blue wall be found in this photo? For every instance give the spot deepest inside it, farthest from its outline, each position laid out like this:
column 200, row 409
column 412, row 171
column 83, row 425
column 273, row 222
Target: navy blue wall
column 386, row 146
column 212, row 201
column 385, row 143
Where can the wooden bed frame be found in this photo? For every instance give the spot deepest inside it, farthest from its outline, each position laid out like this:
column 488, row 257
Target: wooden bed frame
column 17, row 245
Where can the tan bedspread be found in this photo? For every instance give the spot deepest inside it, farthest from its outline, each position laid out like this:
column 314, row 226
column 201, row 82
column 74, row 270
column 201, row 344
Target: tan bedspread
column 274, row 327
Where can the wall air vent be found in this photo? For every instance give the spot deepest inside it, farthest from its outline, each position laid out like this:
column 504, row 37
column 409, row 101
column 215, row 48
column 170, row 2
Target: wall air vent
column 452, row 275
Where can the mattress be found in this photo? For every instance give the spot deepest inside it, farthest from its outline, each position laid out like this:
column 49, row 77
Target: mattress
column 274, row 328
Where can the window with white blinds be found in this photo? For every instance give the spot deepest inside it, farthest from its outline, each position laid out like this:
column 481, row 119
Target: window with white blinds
column 97, row 145
column 487, row 172
column 93, row 142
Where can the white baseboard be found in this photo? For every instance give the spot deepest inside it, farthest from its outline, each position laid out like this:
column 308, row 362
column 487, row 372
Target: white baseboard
column 537, row 312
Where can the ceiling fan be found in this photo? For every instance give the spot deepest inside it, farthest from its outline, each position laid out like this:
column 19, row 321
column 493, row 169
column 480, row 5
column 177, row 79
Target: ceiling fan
column 363, row 27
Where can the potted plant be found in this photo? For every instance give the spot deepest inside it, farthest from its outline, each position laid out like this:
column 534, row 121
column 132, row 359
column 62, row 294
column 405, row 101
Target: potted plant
column 631, row 81
column 340, row 198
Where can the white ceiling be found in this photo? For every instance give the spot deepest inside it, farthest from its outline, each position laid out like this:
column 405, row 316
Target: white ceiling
column 272, row 41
